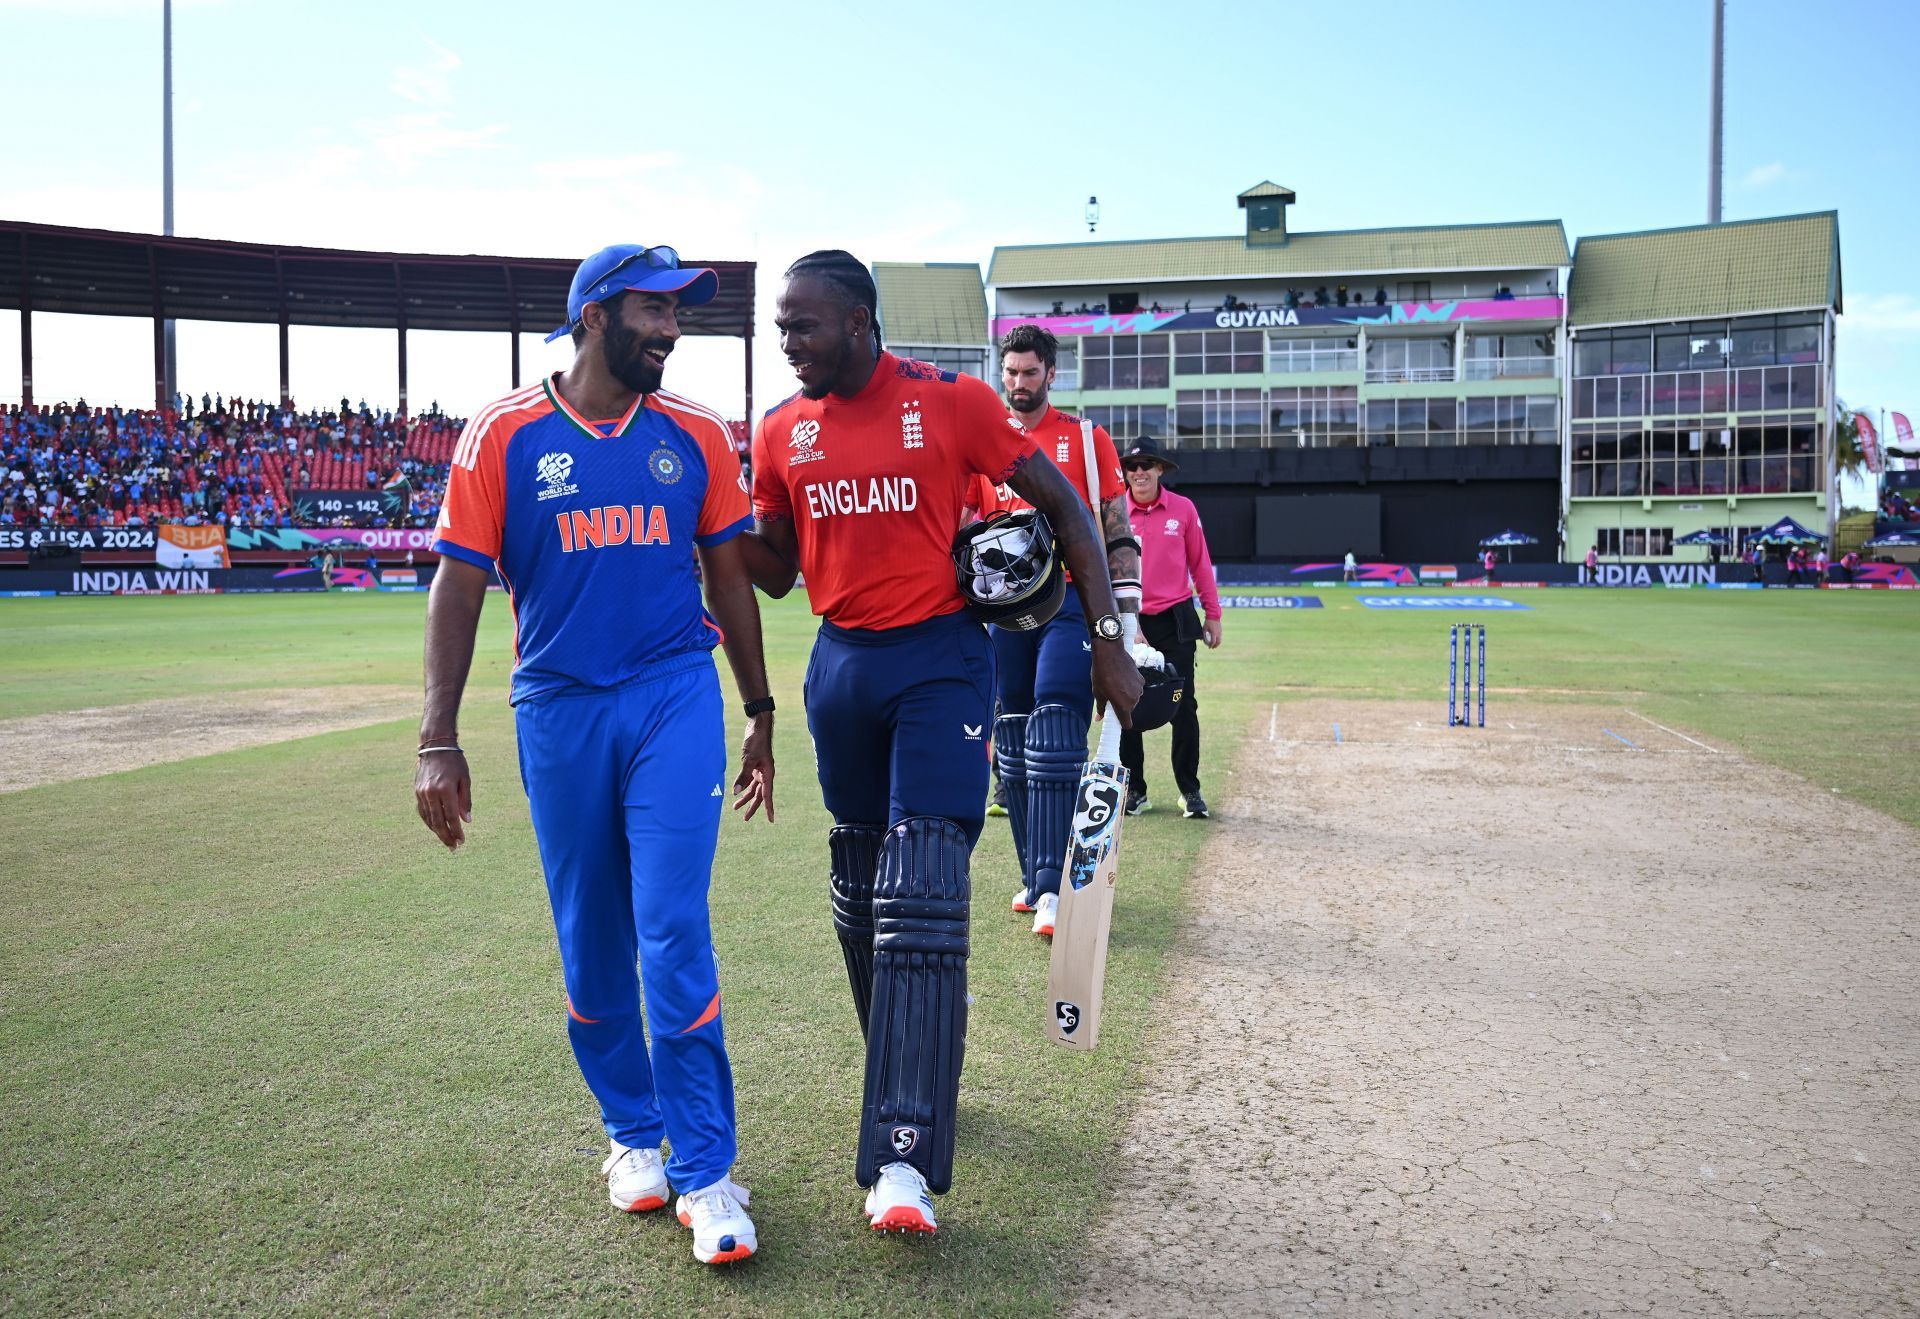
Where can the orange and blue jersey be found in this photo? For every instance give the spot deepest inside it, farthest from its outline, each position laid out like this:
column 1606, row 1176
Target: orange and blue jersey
column 592, row 524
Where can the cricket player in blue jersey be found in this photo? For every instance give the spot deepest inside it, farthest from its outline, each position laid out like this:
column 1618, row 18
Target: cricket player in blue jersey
column 594, row 494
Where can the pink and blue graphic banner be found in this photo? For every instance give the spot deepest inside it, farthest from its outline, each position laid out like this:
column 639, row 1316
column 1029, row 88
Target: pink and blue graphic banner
column 309, row 539
column 1248, row 318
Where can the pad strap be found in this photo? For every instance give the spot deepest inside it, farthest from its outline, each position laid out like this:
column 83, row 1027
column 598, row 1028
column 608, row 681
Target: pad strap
column 854, row 856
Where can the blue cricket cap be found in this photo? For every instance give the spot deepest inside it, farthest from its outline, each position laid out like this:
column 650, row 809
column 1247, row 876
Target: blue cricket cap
column 630, row 266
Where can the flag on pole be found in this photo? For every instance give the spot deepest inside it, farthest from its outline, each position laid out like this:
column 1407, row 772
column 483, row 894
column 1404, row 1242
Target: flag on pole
column 1869, row 442
column 1903, row 437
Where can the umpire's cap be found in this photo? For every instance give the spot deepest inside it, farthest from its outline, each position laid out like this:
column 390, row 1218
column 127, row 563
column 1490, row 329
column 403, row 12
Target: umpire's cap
column 1148, row 449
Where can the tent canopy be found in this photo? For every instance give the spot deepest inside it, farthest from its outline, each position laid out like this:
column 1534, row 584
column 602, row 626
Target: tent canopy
column 1507, row 538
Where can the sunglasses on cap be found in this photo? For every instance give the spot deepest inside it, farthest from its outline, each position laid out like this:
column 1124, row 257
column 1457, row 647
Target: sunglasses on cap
column 660, row 258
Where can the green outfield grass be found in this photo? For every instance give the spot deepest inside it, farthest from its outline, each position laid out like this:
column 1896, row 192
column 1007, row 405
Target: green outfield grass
column 267, row 1046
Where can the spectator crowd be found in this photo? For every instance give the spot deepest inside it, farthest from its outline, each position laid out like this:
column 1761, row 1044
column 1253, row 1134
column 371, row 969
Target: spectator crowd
column 227, row 462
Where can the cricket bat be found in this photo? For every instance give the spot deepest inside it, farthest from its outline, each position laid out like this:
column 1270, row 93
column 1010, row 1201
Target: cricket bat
column 1077, row 973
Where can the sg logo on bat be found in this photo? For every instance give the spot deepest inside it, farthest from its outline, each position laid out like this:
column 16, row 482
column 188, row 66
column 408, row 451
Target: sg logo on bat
column 1067, row 1015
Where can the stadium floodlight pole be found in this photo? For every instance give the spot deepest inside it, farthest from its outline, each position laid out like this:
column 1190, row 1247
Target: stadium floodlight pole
column 1717, row 97
column 171, row 369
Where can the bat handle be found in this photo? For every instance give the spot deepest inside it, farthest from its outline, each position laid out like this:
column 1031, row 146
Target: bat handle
column 1109, row 748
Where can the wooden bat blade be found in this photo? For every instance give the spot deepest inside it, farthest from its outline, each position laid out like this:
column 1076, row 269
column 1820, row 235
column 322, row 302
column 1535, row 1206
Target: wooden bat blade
column 1077, row 970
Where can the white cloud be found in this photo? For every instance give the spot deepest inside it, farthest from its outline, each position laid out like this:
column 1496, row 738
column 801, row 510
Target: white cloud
column 404, row 141
column 429, row 82
column 1763, row 176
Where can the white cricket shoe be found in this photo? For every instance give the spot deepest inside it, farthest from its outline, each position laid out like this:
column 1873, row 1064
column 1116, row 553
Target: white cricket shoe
column 1044, row 913
column 636, row 1179
column 1022, row 901
column 899, row 1201
column 722, row 1232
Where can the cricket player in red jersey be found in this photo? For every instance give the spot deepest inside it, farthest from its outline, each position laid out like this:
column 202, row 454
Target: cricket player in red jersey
column 859, row 481
column 595, row 495
column 1045, row 678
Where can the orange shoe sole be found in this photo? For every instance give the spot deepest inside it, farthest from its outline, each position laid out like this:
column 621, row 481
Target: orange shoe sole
column 1023, row 909
column 904, row 1218
column 729, row 1256
column 646, row 1202
column 1045, row 931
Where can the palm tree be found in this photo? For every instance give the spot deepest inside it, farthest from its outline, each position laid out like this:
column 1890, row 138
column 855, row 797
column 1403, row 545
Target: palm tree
column 1847, row 452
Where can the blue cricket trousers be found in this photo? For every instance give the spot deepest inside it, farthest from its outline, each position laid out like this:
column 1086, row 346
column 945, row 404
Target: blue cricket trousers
column 626, row 789
column 1051, row 665
column 900, row 719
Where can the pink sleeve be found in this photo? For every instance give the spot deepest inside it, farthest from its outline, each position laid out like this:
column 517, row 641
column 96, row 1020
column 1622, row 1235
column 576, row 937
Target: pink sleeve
column 1200, row 567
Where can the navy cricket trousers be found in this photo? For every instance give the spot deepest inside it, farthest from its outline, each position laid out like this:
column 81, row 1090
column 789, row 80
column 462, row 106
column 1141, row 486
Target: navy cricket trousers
column 900, row 719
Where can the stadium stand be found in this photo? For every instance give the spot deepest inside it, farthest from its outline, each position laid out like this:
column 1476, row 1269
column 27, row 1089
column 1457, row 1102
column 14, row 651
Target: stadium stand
column 226, row 462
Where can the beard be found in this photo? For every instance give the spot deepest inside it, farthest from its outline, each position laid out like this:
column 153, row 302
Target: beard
column 1025, row 402
column 627, row 359
column 828, row 368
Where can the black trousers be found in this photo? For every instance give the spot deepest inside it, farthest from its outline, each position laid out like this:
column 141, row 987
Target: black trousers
column 1175, row 634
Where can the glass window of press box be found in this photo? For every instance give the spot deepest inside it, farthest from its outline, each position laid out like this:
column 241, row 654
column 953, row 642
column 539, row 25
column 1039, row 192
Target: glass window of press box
column 1631, row 459
column 1289, row 354
column 1219, row 352
column 1755, row 364
column 1125, row 361
column 1427, row 360
column 1324, row 417
column 1634, row 542
column 1509, row 356
column 1129, row 421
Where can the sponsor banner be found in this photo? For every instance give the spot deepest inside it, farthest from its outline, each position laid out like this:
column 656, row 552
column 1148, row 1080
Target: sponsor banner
column 1869, row 442
column 360, row 507
column 1270, row 602
column 1373, row 574
column 1245, row 318
column 1418, row 603
column 77, row 538
column 1903, row 436
column 191, row 547
column 305, row 540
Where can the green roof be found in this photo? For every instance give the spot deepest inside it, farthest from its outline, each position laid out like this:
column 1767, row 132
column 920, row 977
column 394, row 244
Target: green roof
column 935, row 302
column 1786, row 263
column 1527, row 245
column 1266, row 188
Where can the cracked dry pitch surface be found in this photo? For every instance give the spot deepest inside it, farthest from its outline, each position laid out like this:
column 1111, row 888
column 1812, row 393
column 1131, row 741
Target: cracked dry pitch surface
column 1525, row 1021
column 78, row 744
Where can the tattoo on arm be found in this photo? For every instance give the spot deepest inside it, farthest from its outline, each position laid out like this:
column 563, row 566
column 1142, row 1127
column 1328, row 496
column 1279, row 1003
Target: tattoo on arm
column 1123, row 561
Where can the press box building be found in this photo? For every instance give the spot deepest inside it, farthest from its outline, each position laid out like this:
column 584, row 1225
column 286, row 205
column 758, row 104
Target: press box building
column 1403, row 392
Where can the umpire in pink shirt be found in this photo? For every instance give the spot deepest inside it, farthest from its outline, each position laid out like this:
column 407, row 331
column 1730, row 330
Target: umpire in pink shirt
column 1174, row 563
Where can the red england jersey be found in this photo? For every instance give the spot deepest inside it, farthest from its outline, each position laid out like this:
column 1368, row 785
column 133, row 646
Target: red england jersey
column 1059, row 438
column 874, row 485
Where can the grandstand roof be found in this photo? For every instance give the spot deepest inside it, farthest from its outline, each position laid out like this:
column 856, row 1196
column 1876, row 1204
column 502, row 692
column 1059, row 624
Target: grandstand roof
column 107, row 273
column 935, row 302
column 1786, row 263
column 1524, row 245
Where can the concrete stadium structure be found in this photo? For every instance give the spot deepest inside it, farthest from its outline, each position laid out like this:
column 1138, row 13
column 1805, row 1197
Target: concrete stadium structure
column 1404, row 392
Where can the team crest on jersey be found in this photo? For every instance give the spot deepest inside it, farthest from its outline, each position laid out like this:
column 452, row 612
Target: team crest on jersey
column 805, row 442
column 665, row 465
column 1060, row 454
column 910, row 434
column 1172, row 528
column 554, row 469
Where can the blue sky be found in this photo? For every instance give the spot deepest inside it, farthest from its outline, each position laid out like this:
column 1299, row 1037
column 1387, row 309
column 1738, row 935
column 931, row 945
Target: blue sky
column 929, row 133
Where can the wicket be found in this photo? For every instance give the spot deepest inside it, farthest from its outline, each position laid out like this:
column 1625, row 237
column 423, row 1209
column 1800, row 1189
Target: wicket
column 1460, row 674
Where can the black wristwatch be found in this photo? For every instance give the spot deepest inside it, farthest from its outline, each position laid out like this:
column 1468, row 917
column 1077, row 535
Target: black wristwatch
column 1107, row 627
column 756, row 708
